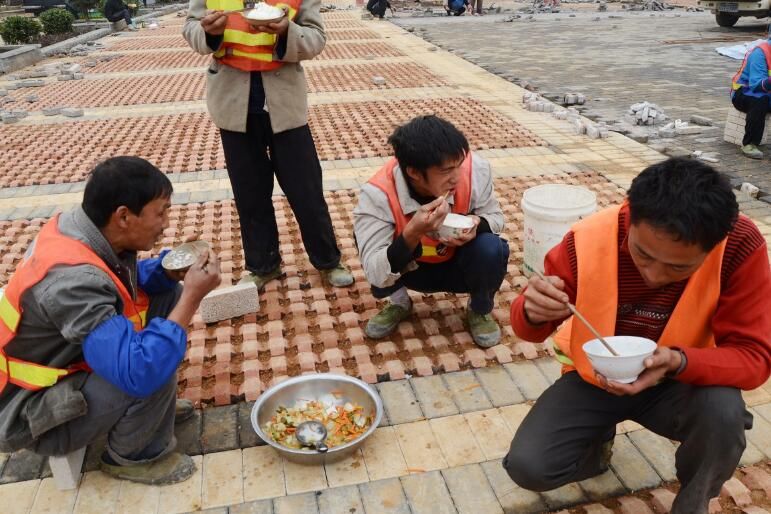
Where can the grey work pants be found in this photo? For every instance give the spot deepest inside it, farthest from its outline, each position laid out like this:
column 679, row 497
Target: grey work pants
column 138, row 429
column 560, row 440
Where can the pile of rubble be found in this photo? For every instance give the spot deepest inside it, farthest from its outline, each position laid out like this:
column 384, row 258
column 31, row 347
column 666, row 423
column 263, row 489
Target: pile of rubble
column 648, row 5
column 536, row 103
column 85, row 49
column 645, row 113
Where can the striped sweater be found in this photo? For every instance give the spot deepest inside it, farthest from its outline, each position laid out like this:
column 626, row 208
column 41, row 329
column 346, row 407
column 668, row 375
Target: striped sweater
column 741, row 324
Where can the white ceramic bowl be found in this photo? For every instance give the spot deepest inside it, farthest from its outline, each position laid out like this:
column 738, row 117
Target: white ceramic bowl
column 628, row 365
column 454, row 225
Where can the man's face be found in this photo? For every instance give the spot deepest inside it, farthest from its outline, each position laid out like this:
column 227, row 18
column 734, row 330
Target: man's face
column 438, row 179
column 144, row 230
column 660, row 258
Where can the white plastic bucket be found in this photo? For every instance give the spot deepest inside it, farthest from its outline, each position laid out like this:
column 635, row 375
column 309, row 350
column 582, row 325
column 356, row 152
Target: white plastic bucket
column 550, row 210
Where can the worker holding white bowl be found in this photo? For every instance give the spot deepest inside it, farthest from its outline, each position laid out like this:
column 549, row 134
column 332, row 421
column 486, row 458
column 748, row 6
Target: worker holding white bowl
column 676, row 264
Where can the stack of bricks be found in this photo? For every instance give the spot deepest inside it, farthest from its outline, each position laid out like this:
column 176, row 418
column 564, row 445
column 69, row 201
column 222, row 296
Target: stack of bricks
column 734, row 128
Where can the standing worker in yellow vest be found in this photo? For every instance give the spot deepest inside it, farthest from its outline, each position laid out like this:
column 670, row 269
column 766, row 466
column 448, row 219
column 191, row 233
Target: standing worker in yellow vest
column 751, row 94
column 404, row 204
column 257, row 96
column 676, row 264
column 91, row 338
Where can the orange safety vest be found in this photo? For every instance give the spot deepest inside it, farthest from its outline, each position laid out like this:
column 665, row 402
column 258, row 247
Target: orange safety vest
column 433, row 250
column 766, row 48
column 243, row 47
column 596, row 243
column 51, row 249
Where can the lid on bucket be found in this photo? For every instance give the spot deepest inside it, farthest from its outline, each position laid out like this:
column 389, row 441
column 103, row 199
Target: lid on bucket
column 558, row 202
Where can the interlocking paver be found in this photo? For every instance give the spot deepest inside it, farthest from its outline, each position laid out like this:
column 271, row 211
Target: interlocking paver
column 760, row 435
column 419, row 447
column 434, row 397
column 22, row 465
column 602, row 486
column 512, row 498
column 514, row 414
column 550, row 368
column 470, row 490
column 399, row 402
column 135, row 497
column 567, row 495
column 301, row 479
column 50, row 500
column 348, row 471
column 467, row 392
column 383, row 456
column 456, row 440
column 658, row 451
column 384, row 497
column 428, row 494
column 263, row 471
column 258, row 507
column 17, row 497
column 631, row 467
column 222, row 479
column 528, row 378
column 340, row 500
column 491, row 432
column 499, row 386
column 184, row 496
column 220, row 429
column 98, row 494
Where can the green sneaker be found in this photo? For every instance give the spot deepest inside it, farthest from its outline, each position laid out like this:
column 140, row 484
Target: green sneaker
column 339, row 276
column 183, row 411
column 752, row 151
column 169, row 469
column 484, row 330
column 260, row 280
column 385, row 321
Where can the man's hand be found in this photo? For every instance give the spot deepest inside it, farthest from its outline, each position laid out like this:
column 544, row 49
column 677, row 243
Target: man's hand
column 203, row 276
column 278, row 28
column 546, row 300
column 428, row 218
column 664, row 360
column 467, row 235
column 214, row 22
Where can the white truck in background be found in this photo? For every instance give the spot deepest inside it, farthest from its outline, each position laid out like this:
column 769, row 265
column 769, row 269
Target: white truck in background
column 728, row 13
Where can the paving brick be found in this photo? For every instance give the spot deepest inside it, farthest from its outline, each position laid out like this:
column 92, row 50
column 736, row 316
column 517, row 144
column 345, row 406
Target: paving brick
column 302, row 479
column 467, row 392
column 751, row 455
column 658, row 451
column 220, row 429
column 419, row 447
column 340, row 500
column 567, row 495
column 491, row 432
column 514, row 414
column 631, row 467
column 754, row 510
column 383, row 456
column 184, row 496
column 263, row 472
column 456, row 440
column 757, row 478
column 528, row 378
column 399, row 402
column 550, row 368
column 499, row 386
column 17, row 498
column 760, row 435
column 512, row 498
column 470, row 490
column 602, row 486
column 597, row 508
column 662, row 499
column 21, row 466
column 632, row 505
column 305, row 503
column 428, row 494
column 737, row 491
column 50, row 500
column 434, row 396
column 96, row 490
column 384, row 497
column 247, row 437
column 222, row 479
column 348, row 471
column 188, row 435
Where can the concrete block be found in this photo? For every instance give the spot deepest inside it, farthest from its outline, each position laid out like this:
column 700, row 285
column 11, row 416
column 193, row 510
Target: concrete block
column 72, row 112
column 701, row 120
column 66, row 469
column 77, row 76
column 434, row 397
column 687, row 131
column 52, row 111
column 528, row 378
column 470, row 490
column 659, row 451
column 32, row 83
column 378, row 81
column 467, row 392
column 62, row 78
column 228, row 302
column 31, row 98
column 749, row 189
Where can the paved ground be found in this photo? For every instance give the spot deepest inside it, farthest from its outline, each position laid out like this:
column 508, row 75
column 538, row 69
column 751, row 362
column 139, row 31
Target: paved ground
column 625, row 61
column 451, row 408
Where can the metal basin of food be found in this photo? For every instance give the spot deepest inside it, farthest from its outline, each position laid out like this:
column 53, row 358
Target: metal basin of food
column 306, row 387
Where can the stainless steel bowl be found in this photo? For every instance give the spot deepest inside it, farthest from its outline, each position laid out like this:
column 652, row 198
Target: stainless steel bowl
column 313, row 387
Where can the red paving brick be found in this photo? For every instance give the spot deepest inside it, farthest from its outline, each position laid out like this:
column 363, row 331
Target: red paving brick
column 348, row 35
column 355, row 50
column 145, row 43
column 330, row 329
column 350, row 77
column 341, row 23
column 150, row 61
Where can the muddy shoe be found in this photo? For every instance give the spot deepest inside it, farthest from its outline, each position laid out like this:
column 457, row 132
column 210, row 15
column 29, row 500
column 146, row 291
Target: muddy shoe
column 338, row 276
column 752, row 151
column 183, row 411
column 261, row 280
column 170, row 469
column 484, row 330
column 385, row 321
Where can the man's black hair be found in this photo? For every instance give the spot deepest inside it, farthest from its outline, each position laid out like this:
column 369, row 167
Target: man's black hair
column 427, row 141
column 686, row 198
column 128, row 181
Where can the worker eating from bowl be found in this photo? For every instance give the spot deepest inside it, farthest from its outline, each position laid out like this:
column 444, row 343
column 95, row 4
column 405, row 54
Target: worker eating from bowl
column 404, row 204
column 676, row 264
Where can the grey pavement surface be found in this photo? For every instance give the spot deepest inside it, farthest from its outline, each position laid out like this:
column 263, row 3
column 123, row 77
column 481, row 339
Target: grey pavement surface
column 616, row 59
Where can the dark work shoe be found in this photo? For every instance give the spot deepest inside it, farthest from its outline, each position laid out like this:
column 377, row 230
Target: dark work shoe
column 386, row 321
column 260, row 280
column 339, row 276
column 484, row 330
column 183, row 411
column 170, row 469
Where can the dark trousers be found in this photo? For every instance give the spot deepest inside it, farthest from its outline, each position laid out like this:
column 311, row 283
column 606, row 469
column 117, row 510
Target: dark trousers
column 138, row 429
column 560, row 440
column 478, row 267
column 252, row 159
column 123, row 15
column 756, row 110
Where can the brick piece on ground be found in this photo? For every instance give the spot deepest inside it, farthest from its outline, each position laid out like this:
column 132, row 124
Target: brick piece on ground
column 229, row 302
column 247, row 437
column 632, row 505
column 399, row 402
column 631, row 467
column 499, row 386
column 757, row 478
column 475, row 357
column 470, row 490
column 434, row 397
column 448, row 362
column 662, row 499
column 395, row 369
column 754, row 510
column 427, row 493
column 512, row 498
column 339, row 499
column 528, row 378
column 220, row 429
column 423, row 366
column 500, row 353
column 714, row 506
column 737, row 491
column 438, row 343
column 384, row 497
column 468, row 393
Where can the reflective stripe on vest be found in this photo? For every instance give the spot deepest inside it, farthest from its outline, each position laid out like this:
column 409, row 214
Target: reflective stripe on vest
column 736, row 82
column 596, row 246
column 243, row 47
column 433, row 250
column 51, row 248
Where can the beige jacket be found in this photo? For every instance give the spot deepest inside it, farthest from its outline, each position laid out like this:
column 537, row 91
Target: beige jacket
column 227, row 89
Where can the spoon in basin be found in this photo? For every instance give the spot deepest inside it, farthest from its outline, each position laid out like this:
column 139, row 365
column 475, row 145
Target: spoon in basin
column 312, row 434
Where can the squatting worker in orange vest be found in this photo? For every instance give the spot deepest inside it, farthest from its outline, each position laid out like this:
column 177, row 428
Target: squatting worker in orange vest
column 90, row 338
column 402, row 206
column 751, row 94
column 257, row 96
column 677, row 264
